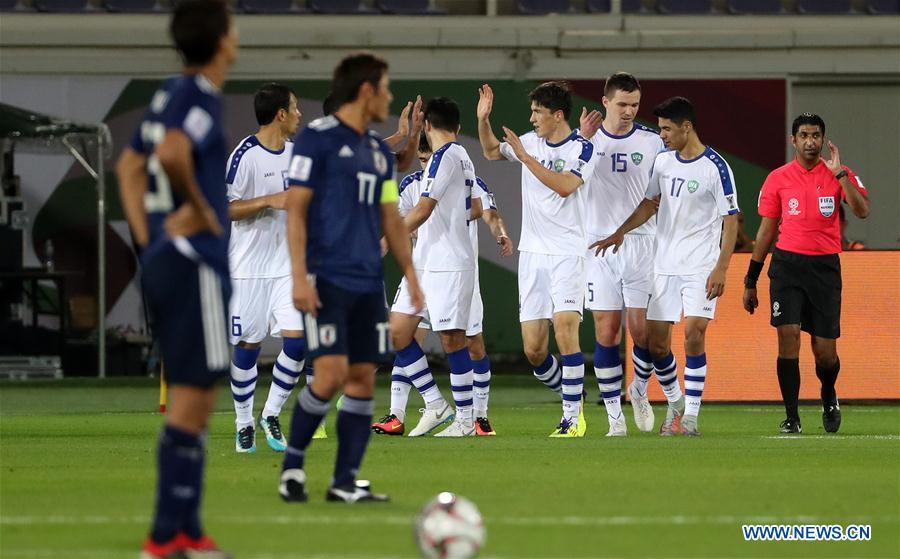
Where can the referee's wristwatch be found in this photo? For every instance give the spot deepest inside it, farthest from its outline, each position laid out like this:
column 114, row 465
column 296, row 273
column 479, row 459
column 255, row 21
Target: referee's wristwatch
column 842, row 174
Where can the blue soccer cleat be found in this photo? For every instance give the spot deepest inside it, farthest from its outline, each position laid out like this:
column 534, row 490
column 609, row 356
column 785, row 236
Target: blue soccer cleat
column 274, row 437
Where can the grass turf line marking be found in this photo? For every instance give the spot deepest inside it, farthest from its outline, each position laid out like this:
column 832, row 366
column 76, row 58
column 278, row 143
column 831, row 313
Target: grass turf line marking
column 835, row 437
column 401, row 520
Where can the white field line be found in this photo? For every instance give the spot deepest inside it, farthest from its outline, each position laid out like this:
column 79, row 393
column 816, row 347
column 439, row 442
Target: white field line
column 402, row 520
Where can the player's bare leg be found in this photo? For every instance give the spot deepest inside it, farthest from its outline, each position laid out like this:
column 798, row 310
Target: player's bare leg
column 828, row 365
column 659, row 340
column 694, row 371
column 461, row 379
column 608, row 368
column 789, row 375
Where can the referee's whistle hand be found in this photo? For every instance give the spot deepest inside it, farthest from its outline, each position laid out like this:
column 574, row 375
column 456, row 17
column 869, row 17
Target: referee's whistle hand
column 750, row 300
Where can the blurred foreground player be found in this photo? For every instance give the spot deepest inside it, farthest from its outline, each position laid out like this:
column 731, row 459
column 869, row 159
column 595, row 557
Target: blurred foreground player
column 170, row 182
column 342, row 197
column 803, row 198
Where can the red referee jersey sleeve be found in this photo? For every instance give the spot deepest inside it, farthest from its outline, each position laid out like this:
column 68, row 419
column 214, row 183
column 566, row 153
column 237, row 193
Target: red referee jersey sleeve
column 855, row 181
column 769, row 198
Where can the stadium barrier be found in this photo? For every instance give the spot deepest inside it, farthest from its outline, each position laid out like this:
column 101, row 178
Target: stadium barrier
column 741, row 349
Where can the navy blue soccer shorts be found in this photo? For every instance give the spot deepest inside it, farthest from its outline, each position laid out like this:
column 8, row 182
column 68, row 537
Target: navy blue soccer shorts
column 348, row 323
column 188, row 304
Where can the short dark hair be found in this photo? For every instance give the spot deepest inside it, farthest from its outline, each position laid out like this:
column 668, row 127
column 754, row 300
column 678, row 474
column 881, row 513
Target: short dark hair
column 807, row 118
column 196, row 28
column 442, row 113
column 269, row 99
column 620, row 81
column 424, row 146
column 554, row 96
column 328, row 105
column 352, row 72
column 676, row 109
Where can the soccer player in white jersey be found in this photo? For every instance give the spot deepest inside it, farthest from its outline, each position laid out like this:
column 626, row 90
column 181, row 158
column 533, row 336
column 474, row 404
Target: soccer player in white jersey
column 410, row 363
column 442, row 218
column 624, row 152
column 256, row 179
column 419, row 375
column 555, row 164
column 696, row 229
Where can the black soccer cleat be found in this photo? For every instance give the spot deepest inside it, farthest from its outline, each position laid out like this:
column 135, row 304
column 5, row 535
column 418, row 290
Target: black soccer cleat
column 831, row 418
column 292, row 486
column 791, row 426
column 358, row 493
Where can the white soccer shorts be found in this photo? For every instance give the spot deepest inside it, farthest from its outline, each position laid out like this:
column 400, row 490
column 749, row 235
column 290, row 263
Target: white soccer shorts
column 549, row 284
column 261, row 306
column 621, row 280
column 403, row 303
column 448, row 296
column 673, row 294
column 476, row 313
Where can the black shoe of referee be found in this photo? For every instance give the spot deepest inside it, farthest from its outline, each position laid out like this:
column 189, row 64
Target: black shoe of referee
column 791, row 426
column 831, row 417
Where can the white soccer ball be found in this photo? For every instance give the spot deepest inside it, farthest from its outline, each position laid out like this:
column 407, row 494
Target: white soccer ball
column 449, row 527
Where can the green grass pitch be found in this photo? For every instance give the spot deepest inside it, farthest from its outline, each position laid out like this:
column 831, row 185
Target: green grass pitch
column 77, row 475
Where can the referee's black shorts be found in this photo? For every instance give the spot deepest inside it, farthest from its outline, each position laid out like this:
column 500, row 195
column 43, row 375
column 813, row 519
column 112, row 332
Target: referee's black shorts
column 806, row 290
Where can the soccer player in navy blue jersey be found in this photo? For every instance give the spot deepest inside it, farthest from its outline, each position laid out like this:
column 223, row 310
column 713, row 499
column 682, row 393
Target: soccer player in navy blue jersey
column 343, row 196
column 173, row 193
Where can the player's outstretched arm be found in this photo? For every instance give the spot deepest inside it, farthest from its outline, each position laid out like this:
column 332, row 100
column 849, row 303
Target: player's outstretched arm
column 490, row 145
column 398, row 242
column 419, row 214
column 715, row 283
column 764, row 238
column 245, row 209
column 132, row 177
column 406, row 157
column 564, row 184
column 645, row 210
column 175, row 154
column 498, row 229
column 305, row 297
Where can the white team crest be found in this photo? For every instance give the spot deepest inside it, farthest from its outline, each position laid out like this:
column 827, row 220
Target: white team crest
column 794, row 206
column 776, row 309
column 826, row 205
column 327, row 335
column 380, row 162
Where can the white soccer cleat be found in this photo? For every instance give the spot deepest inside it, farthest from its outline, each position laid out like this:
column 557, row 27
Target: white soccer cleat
column 617, row 427
column 459, row 429
column 432, row 419
column 643, row 411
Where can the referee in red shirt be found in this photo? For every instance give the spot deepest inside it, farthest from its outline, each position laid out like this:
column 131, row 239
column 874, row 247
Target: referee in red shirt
column 802, row 198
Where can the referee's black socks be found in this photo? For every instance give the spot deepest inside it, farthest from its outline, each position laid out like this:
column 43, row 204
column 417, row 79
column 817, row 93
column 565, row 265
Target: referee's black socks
column 789, row 382
column 828, row 377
